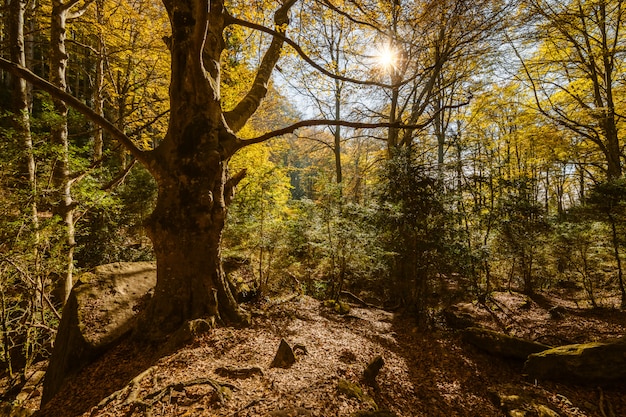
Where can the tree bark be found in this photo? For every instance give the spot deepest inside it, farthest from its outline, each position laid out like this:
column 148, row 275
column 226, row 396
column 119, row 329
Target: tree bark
column 21, row 103
column 59, row 132
column 190, row 168
column 98, row 99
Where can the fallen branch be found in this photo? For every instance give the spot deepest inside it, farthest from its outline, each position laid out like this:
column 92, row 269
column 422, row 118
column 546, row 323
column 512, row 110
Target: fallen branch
column 287, row 299
column 238, row 372
column 358, row 300
column 250, row 404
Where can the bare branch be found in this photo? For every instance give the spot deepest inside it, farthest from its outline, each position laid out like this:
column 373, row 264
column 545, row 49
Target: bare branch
column 238, row 117
column 323, row 122
column 81, row 10
column 72, row 101
column 119, row 178
column 351, row 18
column 231, row 20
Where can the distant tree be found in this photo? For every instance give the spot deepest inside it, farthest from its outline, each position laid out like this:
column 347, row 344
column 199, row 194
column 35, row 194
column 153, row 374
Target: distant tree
column 523, row 226
column 414, row 221
column 609, row 200
column 576, row 69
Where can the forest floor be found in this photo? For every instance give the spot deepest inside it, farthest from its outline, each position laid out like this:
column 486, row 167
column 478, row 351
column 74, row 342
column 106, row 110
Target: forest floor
column 226, row 372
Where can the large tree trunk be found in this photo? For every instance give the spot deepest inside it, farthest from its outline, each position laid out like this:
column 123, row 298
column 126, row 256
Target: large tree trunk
column 186, row 228
column 190, row 168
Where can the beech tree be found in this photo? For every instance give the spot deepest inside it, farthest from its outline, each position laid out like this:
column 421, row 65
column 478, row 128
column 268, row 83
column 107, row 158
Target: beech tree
column 190, row 165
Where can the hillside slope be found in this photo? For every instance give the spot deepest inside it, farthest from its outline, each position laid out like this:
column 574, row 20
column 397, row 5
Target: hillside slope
column 226, row 372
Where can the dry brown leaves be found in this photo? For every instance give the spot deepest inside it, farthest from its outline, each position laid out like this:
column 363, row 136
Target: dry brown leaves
column 425, row 373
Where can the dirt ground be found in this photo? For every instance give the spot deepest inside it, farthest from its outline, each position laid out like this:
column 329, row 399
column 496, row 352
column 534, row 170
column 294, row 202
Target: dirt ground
column 226, row 372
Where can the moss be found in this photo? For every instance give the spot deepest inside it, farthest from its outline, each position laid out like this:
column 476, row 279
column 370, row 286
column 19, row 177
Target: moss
column 339, row 307
column 352, row 390
column 570, row 350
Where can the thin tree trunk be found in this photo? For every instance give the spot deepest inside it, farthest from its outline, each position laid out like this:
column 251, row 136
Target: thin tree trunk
column 21, row 107
column 618, row 260
column 61, row 174
column 337, row 147
column 98, row 99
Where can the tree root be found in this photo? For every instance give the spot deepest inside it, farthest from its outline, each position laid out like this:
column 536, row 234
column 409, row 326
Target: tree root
column 608, row 412
column 130, row 391
column 250, row 404
column 128, row 395
column 180, row 386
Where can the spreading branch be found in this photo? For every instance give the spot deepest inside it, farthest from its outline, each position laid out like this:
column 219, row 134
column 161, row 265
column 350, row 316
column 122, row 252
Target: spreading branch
column 238, row 117
column 323, row 122
column 231, row 20
column 29, row 76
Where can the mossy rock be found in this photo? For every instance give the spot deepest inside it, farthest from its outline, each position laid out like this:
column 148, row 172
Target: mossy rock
column 352, row 390
column 587, row 363
column 11, row 410
column 518, row 401
column 101, row 310
column 338, row 307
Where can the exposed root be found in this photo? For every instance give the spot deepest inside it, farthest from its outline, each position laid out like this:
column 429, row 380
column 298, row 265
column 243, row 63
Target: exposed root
column 180, row 386
column 605, row 409
column 250, row 404
column 129, row 395
column 129, row 392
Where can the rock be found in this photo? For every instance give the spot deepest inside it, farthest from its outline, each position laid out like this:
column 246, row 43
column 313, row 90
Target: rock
column 101, row 310
column 284, row 356
column 339, row 307
column 371, row 372
column 557, row 312
column 347, row 356
column 585, row 363
column 501, row 344
column 31, row 387
column 464, row 315
column 518, row 401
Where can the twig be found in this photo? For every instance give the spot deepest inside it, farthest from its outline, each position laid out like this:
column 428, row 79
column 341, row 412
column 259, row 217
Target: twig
column 250, row 404
column 609, row 406
column 601, row 405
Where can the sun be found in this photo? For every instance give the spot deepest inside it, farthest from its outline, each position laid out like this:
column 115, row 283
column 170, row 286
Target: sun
column 386, row 57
